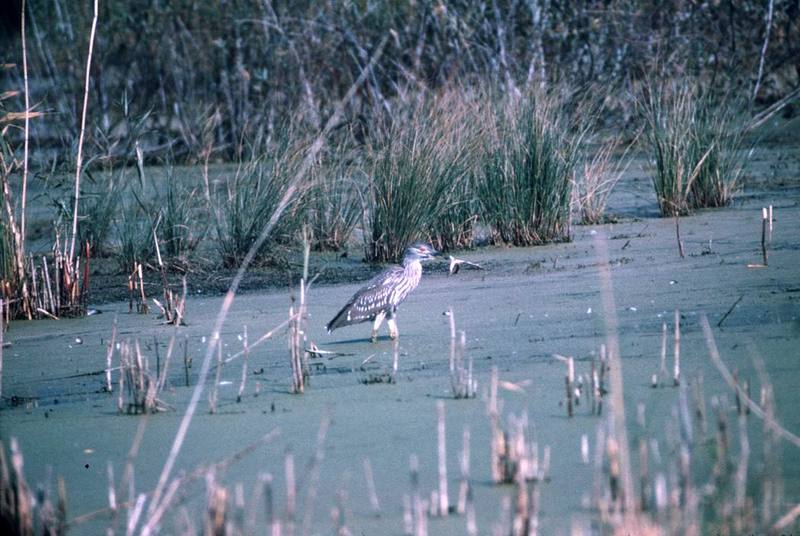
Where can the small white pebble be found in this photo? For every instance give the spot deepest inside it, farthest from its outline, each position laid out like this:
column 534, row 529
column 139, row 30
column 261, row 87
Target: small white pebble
column 632, row 309
column 589, row 311
column 78, row 340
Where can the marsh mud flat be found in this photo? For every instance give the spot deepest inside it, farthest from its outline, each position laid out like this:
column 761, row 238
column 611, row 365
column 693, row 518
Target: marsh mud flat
column 529, row 304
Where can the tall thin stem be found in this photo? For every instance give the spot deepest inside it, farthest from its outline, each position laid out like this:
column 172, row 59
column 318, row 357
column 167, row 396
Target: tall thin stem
column 27, row 127
column 79, row 162
column 763, row 50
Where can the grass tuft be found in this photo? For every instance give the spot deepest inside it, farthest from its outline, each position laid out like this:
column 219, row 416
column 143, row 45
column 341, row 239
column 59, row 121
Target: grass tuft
column 250, row 197
column 527, row 173
column 599, row 176
column 418, row 167
column 695, row 144
column 335, row 204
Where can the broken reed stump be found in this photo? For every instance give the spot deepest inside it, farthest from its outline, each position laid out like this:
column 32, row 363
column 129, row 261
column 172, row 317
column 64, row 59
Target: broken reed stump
column 764, row 224
column 597, row 378
column 444, row 501
column 173, row 307
column 21, row 509
column 569, row 380
column 299, row 374
column 110, row 355
column 246, row 350
column 141, row 386
column 187, row 361
column 662, row 369
column 212, row 397
column 678, row 236
column 462, row 383
column 373, row 494
column 644, row 480
column 676, row 365
column 298, row 355
column 136, row 296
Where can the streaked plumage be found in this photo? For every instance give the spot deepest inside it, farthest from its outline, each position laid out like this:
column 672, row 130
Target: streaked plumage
column 381, row 296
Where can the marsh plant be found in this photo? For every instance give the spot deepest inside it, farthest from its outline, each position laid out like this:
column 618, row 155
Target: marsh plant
column 418, row 167
column 335, row 204
column 695, row 143
column 249, row 198
column 134, row 230
column 527, row 172
column 180, row 229
column 597, row 178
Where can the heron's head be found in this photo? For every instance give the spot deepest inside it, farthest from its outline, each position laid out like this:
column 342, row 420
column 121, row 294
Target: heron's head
column 419, row 251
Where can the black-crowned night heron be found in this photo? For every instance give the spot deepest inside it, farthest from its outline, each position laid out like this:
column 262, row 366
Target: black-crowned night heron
column 381, row 296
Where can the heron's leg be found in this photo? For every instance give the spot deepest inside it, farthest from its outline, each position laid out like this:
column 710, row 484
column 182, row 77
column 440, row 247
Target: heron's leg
column 376, row 324
column 392, row 327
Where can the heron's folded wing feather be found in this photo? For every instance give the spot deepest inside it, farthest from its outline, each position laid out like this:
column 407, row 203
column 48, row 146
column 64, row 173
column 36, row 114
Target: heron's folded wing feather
column 368, row 301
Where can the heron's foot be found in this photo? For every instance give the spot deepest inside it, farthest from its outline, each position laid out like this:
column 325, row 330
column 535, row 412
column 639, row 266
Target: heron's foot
column 393, row 334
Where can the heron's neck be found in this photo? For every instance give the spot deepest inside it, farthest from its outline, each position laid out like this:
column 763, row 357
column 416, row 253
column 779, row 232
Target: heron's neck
column 410, row 261
column 413, row 266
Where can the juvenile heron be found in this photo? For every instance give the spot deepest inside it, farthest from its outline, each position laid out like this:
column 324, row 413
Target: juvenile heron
column 381, row 296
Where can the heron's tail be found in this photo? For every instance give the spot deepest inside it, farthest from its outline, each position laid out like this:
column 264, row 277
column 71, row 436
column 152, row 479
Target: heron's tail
column 340, row 320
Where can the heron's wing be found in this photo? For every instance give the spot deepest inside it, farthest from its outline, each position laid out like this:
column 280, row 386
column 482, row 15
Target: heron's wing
column 370, row 300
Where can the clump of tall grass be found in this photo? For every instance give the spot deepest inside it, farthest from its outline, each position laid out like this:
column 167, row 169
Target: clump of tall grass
column 527, row 173
column 418, row 167
column 134, row 230
column 249, row 198
column 593, row 185
column 335, row 203
column 100, row 208
column 180, row 229
column 695, row 143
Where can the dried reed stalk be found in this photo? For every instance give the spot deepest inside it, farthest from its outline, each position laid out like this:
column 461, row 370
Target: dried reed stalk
column 373, row 495
column 212, row 397
column 764, row 219
column 462, row 383
column 569, row 380
column 291, row 492
column 162, row 378
column 246, row 351
column 676, row 354
column 678, row 235
column 757, row 410
column 79, row 159
column 444, row 502
column 110, row 354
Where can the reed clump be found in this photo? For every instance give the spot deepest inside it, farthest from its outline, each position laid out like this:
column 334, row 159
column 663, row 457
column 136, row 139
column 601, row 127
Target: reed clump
column 419, row 165
column 23, row 512
column 527, row 173
column 695, row 143
column 138, row 385
column 336, row 202
column 249, row 198
column 595, row 181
